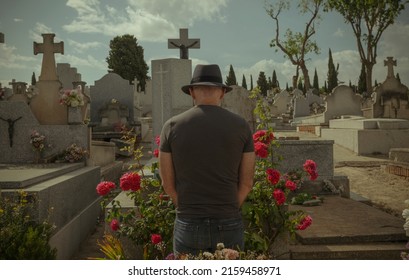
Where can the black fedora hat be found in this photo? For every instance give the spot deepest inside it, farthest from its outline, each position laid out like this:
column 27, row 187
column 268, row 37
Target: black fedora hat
column 206, row 75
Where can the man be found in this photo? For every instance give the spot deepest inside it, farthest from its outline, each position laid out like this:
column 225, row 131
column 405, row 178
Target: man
column 206, row 163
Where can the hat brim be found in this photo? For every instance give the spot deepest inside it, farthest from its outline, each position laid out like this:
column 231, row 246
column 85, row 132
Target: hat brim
column 186, row 88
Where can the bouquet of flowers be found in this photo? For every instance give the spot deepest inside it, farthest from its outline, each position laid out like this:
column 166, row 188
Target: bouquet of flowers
column 72, row 97
column 37, row 141
column 73, row 153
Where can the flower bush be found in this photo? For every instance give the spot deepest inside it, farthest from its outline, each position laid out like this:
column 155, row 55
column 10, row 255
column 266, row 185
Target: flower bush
column 37, row 140
column 74, row 153
column 150, row 223
column 72, row 97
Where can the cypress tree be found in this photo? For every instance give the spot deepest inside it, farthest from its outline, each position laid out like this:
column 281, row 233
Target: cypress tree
column 315, row 81
column 398, row 77
column 274, row 82
column 33, row 79
column 262, row 83
column 243, row 82
column 300, row 85
column 332, row 77
column 231, row 78
column 362, row 80
column 251, row 82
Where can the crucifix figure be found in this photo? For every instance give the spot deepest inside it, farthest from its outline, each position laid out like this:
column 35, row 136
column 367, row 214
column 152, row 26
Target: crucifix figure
column 390, row 63
column 11, row 128
column 48, row 48
column 184, row 43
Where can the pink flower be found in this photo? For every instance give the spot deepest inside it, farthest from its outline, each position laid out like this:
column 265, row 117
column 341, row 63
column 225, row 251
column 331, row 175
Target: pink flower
column 261, row 149
column 279, row 196
column 273, row 175
column 130, row 181
column 105, row 187
column 313, row 175
column 305, row 223
column 156, row 238
column 263, row 136
column 114, row 225
column 157, row 140
column 290, row 185
column 311, row 168
column 156, row 153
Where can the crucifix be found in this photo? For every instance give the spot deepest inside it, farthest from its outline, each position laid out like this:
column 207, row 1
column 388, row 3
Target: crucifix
column 48, row 48
column 184, row 43
column 390, row 63
column 10, row 128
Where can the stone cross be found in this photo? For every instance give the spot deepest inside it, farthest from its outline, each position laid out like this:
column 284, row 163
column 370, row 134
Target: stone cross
column 184, row 43
column 1, row 38
column 48, row 48
column 161, row 73
column 390, row 63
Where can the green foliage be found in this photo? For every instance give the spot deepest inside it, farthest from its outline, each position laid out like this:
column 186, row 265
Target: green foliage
column 231, row 78
column 33, row 79
column 21, row 237
column 126, row 58
column 262, row 83
column 274, row 81
column 243, row 82
column 315, row 80
column 362, row 81
column 332, row 75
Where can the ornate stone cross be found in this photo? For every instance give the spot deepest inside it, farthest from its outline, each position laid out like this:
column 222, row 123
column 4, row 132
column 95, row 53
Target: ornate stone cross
column 390, row 63
column 184, row 43
column 48, row 48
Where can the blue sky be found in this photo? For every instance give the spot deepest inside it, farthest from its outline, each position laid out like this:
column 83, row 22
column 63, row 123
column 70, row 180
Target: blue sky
column 236, row 32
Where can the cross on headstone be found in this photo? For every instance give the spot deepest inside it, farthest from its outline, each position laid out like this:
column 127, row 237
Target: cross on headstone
column 1, row 38
column 48, row 48
column 161, row 72
column 390, row 63
column 184, row 43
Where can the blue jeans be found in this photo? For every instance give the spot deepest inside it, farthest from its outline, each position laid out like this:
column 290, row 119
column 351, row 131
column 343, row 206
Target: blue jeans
column 192, row 236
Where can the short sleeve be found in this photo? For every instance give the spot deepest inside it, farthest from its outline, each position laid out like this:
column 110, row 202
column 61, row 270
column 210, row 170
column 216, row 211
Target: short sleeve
column 249, row 144
column 164, row 138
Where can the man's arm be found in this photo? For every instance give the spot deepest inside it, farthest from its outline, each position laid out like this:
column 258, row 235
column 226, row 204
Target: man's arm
column 167, row 174
column 246, row 175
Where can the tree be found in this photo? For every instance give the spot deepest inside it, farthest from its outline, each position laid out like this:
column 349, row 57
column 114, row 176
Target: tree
column 300, row 85
column 262, row 83
column 33, row 79
column 251, row 82
column 243, row 82
column 362, row 88
column 332, row 75
column 368, row 19
column 231, row 78
column 274, row 82
column 315, row 80
column 296, row 45
column 127, row 60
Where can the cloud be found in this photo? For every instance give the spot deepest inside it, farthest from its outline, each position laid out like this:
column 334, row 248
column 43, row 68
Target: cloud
column 39, row 28
column 339, row 33
column 148, row 20
column 82, row 47
column 17, row 20
column 9, row 59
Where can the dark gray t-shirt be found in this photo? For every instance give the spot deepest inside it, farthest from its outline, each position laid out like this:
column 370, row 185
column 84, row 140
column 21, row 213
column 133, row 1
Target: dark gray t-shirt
column 207, row 143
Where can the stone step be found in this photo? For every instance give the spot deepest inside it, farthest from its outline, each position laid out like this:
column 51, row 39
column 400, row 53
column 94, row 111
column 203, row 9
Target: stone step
column 360, row 251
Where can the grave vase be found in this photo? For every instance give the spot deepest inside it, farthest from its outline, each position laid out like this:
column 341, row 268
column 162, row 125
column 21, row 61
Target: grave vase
column 74, row 115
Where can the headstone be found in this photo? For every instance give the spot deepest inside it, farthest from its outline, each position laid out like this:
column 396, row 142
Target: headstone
column 184, row 43
column 46, row 105
column 238, row 102
column 67, row 75
column 282, row 103
column 343, row 101
column 112, row 101
column 390, row 99
column 168, row 76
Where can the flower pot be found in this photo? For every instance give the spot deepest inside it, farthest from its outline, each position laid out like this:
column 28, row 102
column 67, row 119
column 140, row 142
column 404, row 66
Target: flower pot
column 74, row 115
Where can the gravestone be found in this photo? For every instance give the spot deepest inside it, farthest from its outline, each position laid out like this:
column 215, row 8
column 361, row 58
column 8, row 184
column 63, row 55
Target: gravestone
column 390, row 99
column 168, row 76
column 343, row 101
column 46, row 105
column 282, row 103
column 112, row 101
column 67, row 75
column 238, row 102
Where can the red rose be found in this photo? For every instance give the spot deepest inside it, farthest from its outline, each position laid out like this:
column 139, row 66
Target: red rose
column 310, row 165
column 273, row 175
column 305, row 223
column 290, row 185
column 261, row 149
column 313, row 175
column 157, row 140
column 156, row 238
column 114, row 225
column 156, row 153
column 105, row 187
column 263, row 136
column 279, row 196
column 164, row 197
column 130, row 181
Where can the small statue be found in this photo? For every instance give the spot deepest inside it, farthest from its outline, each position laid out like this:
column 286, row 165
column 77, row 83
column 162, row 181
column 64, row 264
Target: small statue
column 10, row 128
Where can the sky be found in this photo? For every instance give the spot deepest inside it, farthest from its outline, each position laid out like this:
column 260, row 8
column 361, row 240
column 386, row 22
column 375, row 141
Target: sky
column 231, row 32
